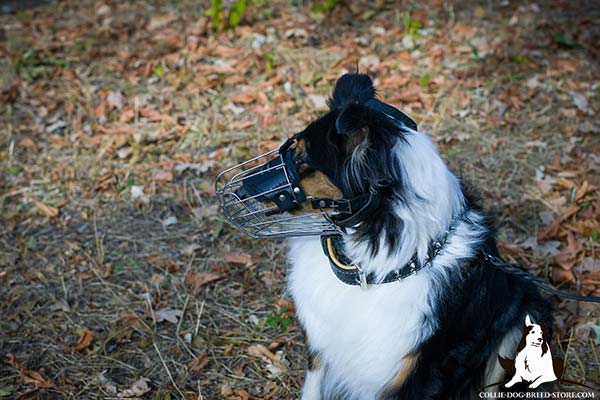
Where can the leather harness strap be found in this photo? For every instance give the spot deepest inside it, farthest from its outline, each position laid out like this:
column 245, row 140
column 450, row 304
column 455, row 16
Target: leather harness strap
column 349, row 212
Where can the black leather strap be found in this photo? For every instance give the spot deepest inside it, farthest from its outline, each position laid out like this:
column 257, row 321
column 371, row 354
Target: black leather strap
column 357, row 207
column 350, row 274
column 368, row 203
column 338, row 205
column 392, row 112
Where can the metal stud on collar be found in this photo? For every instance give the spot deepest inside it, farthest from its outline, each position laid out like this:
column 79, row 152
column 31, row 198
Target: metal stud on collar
column 357, row 275
column 413, row 268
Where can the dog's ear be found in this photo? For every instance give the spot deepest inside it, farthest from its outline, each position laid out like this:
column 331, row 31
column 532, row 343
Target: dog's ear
column 353, row 118
column 528, row 320
column 351, row 88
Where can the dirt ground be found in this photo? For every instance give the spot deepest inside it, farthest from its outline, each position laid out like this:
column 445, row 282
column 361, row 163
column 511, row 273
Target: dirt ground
column 118, row 275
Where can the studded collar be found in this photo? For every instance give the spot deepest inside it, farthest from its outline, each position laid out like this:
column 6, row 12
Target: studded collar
column 352, row 274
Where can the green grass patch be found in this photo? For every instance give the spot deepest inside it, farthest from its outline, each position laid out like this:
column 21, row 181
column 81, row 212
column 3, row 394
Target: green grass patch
column 13, row 170
column 279, row 319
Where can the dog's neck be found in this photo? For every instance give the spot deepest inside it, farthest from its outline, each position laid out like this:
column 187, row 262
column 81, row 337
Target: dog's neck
column 431, row 199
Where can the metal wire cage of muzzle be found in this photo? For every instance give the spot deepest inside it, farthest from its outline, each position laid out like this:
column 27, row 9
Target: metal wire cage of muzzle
column 257, row 196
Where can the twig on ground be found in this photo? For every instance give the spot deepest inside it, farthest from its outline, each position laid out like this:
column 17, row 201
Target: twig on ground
column 167, row 370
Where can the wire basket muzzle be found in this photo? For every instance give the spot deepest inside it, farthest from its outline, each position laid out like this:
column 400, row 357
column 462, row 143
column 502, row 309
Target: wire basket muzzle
column 263, row 199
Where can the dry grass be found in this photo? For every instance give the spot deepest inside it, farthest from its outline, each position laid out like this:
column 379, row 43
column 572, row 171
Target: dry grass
column 108, row 263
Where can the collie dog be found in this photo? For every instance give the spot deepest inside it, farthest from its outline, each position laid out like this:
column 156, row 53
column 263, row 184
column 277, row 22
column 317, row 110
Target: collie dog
column 429, row 314
column 534, row 363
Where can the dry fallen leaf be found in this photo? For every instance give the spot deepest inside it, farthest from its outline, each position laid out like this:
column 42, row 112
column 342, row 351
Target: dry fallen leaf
column 163, row 176
column 168, row 314
column 115, row 100
column 258, row 350
column 579, row 100
column 198, row 279
column 155, row 116
column 411, row 93
column 49, row 211
column 265, row 146
column 198, row 363
column 28, row 376
column 241, row 124
column 138, row 388
column 26, row 142
column 238, row 258
column 241, row 394
column 244, row 97
column 100, row 110
column 394, row 81
column 35, row 378
column 276, row 365
column 85, row 339
column 126, row 116
column 562, row 275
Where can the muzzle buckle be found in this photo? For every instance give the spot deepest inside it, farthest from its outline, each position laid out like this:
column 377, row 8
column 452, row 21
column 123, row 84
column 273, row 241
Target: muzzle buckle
column 342, row 206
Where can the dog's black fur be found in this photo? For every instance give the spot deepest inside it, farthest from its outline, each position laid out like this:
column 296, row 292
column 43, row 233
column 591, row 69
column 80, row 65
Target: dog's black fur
column 479, row 308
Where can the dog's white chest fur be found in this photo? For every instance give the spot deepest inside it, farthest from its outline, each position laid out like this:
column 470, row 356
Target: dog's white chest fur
column 357, row 332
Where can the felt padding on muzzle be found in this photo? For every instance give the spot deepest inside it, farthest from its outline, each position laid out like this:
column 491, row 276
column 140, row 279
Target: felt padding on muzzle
column 276, row 181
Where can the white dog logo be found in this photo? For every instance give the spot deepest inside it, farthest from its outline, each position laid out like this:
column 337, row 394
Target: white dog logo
column 533, row 363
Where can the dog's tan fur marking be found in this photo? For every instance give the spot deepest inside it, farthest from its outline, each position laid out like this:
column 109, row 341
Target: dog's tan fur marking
column 409, row 363
column 300, row 146
column 317, row 184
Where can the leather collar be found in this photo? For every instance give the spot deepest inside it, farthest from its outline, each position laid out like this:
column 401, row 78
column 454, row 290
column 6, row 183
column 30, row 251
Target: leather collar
column 352, row 274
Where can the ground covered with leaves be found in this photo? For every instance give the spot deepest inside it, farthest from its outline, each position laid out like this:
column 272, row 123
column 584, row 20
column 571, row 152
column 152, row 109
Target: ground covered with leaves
column 118, row 275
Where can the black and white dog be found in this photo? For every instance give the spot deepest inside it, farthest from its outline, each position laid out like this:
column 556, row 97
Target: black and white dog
column 533, row 364
column 398, row 296
column 430, row 314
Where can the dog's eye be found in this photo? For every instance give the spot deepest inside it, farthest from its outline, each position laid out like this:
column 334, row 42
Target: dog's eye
column 301, row 159
column 304, row 169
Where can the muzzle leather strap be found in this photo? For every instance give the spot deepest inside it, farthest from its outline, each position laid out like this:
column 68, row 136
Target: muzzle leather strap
column 364, row 205
column 392, row 112
column 349, row 211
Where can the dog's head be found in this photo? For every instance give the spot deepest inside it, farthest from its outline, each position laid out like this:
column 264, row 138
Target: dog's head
column 342, row 165
column 348, row 151
column 534, row 335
